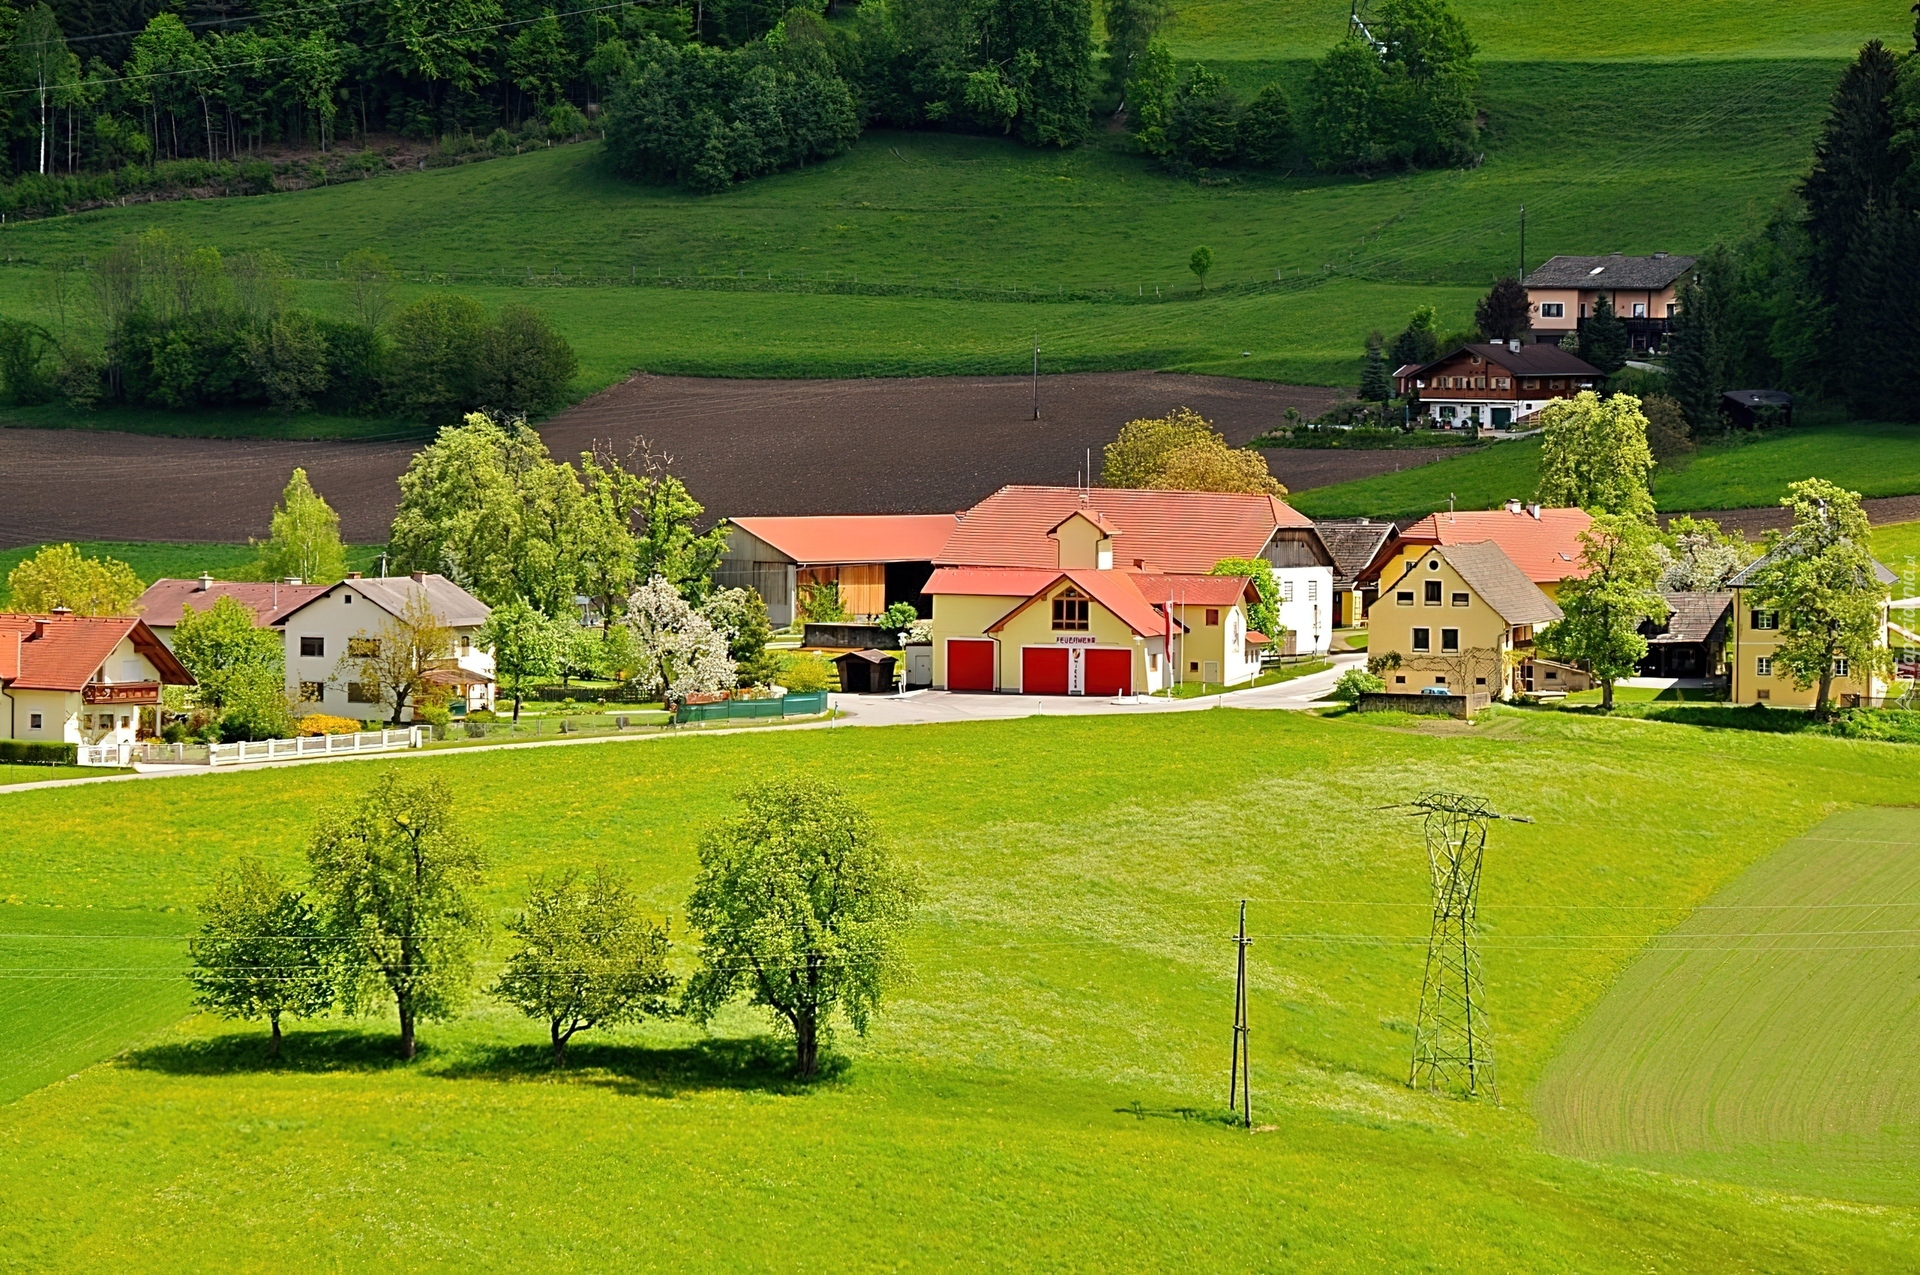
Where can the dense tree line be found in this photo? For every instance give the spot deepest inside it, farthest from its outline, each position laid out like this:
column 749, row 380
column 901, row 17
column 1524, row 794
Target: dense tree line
column 183, row 327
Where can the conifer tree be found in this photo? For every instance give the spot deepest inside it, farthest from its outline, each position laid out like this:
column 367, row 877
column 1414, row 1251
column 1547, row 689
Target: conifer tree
column 1502, row 313
column 1376, row 383
column 1704, row 340
column 1603, row 341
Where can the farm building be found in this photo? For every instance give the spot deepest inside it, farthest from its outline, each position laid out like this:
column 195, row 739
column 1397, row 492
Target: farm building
column 1543, row 543
column 1353, row 542
column 874, row 560
column 1692, row 641
column 1101, row 591
column 1495, row 385
column 72, row 679
column 1460, row 616
column 1757, row 678
column 1644, row 292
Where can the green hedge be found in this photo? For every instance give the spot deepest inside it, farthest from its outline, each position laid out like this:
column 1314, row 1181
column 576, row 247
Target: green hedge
column 22, row 752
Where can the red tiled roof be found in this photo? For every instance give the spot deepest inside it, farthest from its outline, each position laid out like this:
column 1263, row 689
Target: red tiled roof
column 990, row 582
column 71, row 649
column 164, row 600
column 1183, row 532
column 1195, row 591
column 1546, row 549
column 834, row 539
column 1114, row 590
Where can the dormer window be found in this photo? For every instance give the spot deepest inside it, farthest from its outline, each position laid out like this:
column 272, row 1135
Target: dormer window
column 1070, row 612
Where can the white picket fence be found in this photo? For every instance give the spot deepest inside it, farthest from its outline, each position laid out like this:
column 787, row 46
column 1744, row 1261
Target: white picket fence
column 371, row 741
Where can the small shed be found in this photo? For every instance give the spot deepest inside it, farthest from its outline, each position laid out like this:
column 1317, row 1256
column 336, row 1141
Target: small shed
column 1749, row 408
column 863, row 672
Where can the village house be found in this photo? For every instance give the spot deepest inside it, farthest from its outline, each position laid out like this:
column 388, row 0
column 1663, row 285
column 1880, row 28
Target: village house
column 1644, row 292
column 166, row 600
column 874, row 560
column 71, row 679
column 329, row 634
column 1098, row 591
column 1457, row 616
column 1755, row 676
column 1543, row 542
column 1494, row 385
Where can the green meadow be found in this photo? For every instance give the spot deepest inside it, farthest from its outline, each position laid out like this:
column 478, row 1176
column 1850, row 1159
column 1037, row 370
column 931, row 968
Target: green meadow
column 1872, row 458
column 1049, row 1093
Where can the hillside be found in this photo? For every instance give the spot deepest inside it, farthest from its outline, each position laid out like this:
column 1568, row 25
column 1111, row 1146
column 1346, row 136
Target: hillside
column 931, row 253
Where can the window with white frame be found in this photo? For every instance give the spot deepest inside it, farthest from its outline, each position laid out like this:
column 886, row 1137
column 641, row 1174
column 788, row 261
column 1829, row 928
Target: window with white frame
column 1313, row 590
column 35, row 721
column 1553, row 309
column 1840, row 666
column 1286, row 590
column 1763, row 666
column 1766, row 620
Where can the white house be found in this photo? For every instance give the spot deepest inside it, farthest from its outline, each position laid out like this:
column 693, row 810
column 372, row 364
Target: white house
column 73, row 679
column 328, row 633
column 165, row 601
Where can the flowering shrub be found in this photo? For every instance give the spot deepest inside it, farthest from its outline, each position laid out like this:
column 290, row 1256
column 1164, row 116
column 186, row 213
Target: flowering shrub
column 325, row 724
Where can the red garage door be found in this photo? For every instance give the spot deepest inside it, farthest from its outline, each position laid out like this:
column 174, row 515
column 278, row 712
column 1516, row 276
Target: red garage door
column 1109, row 672
column 969, row 664
column 1043, row 670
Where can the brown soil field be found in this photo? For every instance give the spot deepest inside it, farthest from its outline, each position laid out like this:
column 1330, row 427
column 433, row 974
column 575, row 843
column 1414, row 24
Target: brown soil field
column 909, row 445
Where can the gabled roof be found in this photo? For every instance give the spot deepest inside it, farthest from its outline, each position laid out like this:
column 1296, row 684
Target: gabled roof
column 1743, row 578
column 1114, row 590
column 1546, row 547
column 1692, row 617
column 1613, row 271
column 1195, row 591
column 452, row 605
column 1094, row 516
column 834, row 539
column 1537, row 359
column 1183, row 532
column 990, row 582
column 63, row 652
column 1352, row 542
column 1499, row 584
column 162, row 603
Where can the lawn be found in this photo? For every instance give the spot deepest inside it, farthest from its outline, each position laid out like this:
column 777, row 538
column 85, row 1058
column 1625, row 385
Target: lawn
column 1898, row 546
column 1875, row 459
column 156, row 560
column 1790, row 1080
column 1047, row 1094
column 11, row 773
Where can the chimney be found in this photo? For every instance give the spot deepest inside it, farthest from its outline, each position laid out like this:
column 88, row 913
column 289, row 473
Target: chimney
column 62, row 611
column 206, row 582
column 1513, row 343
column 39, row 626
column 1659, row 256
column 293, row 580
column 353, row 575
column 1513, row 506
column 419, row 577
column 1533, row 511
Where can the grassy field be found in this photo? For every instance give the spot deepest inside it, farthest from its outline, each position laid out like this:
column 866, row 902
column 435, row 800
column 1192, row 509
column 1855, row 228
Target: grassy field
column 1048, row 1094
column 156, row 560
column 1875, row 459
column 11, row 773
column 1898, row 545
column 1759, row 1040
column 929, row 253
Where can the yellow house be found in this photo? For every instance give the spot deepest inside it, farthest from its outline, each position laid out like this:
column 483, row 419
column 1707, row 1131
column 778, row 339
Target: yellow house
column 1543, row 542
column 1458, row 616
column 1751, row 647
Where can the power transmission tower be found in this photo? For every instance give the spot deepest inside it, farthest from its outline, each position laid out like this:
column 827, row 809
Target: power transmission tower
column 1240, row 1086
column 1452, row 1039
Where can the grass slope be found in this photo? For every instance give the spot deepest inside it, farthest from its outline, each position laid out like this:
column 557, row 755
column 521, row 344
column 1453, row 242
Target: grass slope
column 1760, row 1040
column 156, row 560
column 1875, row 459
column 1047, row 1094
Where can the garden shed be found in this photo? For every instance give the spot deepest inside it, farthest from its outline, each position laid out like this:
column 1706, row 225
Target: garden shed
column 864, row 672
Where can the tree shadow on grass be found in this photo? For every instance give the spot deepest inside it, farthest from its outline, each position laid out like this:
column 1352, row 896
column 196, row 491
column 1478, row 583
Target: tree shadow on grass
column 335, row 1049
column 759, row 1063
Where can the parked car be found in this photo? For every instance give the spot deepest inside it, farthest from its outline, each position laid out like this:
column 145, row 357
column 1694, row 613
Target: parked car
column 1435, row 690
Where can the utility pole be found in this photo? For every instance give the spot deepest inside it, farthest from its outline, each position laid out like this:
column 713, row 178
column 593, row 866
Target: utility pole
column 1452, row 1038
column 1036, row 376
column 1523, row 243
column 1240, row 1083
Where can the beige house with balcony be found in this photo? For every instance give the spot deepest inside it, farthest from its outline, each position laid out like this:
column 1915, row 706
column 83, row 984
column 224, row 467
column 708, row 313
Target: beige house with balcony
column 330, row 633
column 74, row 679
column 1755, row 678
column 1644, row 293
